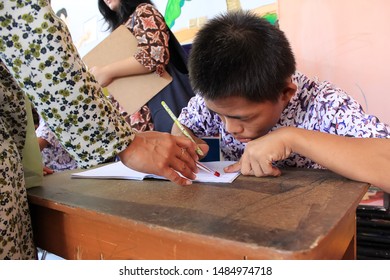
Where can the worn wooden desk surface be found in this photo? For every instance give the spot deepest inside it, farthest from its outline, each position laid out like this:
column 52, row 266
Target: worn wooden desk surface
column 304, row 214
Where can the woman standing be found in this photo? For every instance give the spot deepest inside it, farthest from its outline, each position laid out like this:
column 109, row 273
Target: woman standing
column 38, row 60
column 158, row 51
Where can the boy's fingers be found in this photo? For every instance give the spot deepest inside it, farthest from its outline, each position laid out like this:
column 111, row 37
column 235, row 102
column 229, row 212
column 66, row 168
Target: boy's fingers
column 233, row 167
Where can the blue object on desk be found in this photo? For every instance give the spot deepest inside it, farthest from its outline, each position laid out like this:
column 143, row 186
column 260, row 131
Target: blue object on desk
column 214, row 153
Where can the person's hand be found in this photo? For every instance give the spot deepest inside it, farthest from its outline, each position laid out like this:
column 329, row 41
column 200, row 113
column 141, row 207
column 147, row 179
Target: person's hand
column 205, row 149
column 259, row 154
column 47, row 171
column 201, row 143
column 162, row 154
column 102, row 75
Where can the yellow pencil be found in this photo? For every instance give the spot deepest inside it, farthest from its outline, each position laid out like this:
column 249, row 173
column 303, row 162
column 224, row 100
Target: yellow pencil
column 181, row 127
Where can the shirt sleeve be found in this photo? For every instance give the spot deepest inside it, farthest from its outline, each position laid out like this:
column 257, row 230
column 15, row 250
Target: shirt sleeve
column 201, row 121
column 44, row 132
column 39, row 53
column 152, row 34
column 343, row 115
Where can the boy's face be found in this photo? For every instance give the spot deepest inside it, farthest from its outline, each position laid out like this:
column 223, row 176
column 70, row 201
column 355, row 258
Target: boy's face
column 247, row 120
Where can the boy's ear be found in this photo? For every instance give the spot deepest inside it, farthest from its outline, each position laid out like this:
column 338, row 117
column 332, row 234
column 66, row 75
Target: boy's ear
column 289, row 90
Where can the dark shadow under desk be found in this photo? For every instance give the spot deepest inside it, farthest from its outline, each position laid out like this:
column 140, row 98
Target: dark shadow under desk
column 304, row 214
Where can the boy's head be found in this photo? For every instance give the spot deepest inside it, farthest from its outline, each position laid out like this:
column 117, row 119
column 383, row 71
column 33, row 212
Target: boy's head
column 240, row 54
column 242, row 66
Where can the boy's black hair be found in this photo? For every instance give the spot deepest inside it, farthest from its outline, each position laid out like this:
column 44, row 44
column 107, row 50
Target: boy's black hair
column 240, row 54
column 126, row 8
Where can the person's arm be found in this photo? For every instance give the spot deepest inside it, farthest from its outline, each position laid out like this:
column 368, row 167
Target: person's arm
column 44, row 135
column 73, row 105
column 152, row 50
column 43, row 144
column 148, row 25
column 122, row 68
column 361, row 159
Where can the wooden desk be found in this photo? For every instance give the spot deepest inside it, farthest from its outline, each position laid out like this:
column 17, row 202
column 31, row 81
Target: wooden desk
column 304, row 214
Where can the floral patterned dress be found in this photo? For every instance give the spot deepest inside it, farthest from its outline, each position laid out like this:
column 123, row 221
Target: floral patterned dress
column 38, row 58
column 148, row 26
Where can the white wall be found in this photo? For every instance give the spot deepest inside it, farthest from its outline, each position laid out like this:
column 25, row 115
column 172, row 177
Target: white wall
column 84, row 17
column 346, row 42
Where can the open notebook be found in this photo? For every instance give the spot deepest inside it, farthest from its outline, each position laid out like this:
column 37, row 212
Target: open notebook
column 118, row 170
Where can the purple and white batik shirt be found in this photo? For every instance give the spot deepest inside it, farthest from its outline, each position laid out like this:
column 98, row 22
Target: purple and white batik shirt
column 318, row 106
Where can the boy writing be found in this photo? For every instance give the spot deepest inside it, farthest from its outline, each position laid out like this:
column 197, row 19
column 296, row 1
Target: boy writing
column 243, row 71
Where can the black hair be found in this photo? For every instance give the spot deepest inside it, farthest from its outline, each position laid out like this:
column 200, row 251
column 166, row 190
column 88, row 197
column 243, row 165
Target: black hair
column 240, row 54
column 126, row 8
column 35, row 116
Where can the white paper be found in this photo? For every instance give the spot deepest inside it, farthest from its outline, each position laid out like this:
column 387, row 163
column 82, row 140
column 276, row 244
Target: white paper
column 118, row 170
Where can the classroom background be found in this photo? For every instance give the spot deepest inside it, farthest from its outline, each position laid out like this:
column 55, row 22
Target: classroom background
column 341, row 41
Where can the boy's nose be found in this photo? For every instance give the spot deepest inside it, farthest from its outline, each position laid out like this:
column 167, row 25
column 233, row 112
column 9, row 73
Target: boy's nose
column 232, row 126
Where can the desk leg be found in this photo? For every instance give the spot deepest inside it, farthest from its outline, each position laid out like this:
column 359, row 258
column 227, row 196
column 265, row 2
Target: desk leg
column 350, row 253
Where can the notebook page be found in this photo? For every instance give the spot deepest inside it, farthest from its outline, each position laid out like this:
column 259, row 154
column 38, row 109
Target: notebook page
column 118, row 170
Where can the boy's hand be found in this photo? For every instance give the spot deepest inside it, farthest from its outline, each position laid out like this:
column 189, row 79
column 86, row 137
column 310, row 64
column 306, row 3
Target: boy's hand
column 235, row 167
column 259, row 155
